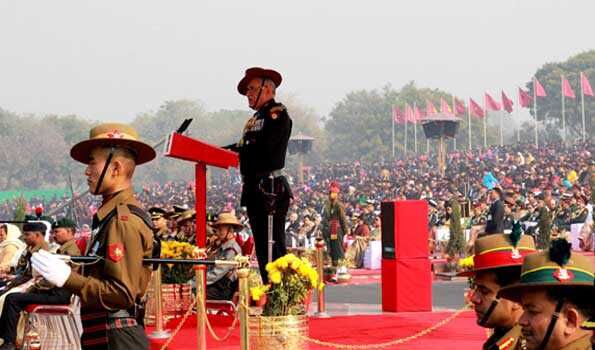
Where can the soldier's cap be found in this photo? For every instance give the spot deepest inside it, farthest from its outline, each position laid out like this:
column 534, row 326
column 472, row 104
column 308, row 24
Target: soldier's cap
column 187, row 215
column 35, row 226
column 113, row 134
column 157, row 213
column 228, row 219
column 498, row 251
column 590, row 323
column 177, row 210
column 261, row 73
column 64, row 223
column 554, row 268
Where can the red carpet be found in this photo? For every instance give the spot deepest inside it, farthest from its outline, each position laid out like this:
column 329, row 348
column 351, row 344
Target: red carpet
column 462, row 331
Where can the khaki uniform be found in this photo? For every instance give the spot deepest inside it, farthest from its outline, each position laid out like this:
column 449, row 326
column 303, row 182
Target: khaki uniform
column 510, row 340
column 109, row 288
column 583, row 343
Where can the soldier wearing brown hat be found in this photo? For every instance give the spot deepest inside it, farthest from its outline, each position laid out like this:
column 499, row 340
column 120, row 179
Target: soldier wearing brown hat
column 497, row 263
column 122, row 236
column 262, row 149
column 556, row 291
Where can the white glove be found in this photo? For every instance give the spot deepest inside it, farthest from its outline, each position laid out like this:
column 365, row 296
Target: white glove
column 52, row 268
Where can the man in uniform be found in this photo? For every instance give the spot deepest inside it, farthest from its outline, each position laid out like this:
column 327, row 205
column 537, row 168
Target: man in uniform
column 556, row 291
column 42, row 292
column 221, row 280
column 497, row 263
column 334, row 224
column 495, row 221
column 262, row 149
column 122, row 237
column 159, row 219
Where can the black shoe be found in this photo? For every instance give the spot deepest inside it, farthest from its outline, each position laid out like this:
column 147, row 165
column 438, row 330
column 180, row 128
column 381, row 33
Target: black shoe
column 8, row 346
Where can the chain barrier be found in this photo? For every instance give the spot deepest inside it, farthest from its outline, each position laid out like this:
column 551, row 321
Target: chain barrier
column 381, row 345
column 180, row 325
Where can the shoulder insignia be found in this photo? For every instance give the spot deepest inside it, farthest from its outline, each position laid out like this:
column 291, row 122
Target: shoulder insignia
column 275, row 111
column 115, row 252
column 123, row 212
column 506, row 344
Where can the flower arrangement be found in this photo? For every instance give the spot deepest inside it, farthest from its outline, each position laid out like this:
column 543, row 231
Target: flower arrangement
column 466, row 264
column 291, row 279
column 177, row 273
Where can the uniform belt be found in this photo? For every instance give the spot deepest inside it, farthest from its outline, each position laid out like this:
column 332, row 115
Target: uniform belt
column 120, row 314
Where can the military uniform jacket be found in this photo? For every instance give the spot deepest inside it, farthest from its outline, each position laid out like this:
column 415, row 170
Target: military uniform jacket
column 495, row 220
column 510, row 340
column 334, row 221
column 583, row 343
column 123, row 240
column 263, row 145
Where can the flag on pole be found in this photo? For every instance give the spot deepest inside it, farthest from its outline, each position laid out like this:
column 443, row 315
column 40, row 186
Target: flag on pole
column 476, row 110
column 459, row 107
column 566, row 89
column 491, row 104
column 444, row 107
column 430, row 109
column 398, row 115
column 507, row 103
column 409, row 116
column 585, row 85
column 524, row 98
column 417, row 113
column 539, row 90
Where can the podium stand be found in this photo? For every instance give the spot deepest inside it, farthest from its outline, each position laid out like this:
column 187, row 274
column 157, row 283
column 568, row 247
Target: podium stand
column 202, row 154
column 406, row 270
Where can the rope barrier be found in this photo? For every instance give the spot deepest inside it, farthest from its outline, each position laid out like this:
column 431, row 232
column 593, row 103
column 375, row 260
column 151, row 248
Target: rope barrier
column 380, row 345
column 180, row 325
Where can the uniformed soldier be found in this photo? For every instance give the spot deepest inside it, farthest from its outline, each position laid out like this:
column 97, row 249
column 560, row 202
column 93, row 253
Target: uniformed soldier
column 159, row 218
column 556, row 292
column 122, row 236
column 495, row 220
column 221, row 280
column 41, row 292
column 544, row 223
column 262, row 149
column 497, row 263
column 186, row 225
column 334, row 224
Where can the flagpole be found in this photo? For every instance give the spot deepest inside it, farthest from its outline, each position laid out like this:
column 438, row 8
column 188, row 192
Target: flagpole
column 393, row 132
column 583, row 105
column 518, row 129
column 454, row 113
column 485, row 123
column 535, row 109
column 563, row 109
column 406, row 117
column 469, row 120
column 501, row 122
column 414, row 130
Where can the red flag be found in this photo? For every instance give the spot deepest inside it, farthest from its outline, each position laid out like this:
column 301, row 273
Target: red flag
column 459, row 107
column 491, row 104
column 430, row 109
column 397, row 115
column 476, row 110
column 566, row 89
column 524, row 98
column 444, row 107
column 506, row 103
column 417, row 113
column 409, row 114
column 539, row 90
column 585, row 85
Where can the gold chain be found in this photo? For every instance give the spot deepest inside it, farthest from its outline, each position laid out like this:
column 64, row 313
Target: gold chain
column 210, row 328
column 385, row 344
column 175, row 332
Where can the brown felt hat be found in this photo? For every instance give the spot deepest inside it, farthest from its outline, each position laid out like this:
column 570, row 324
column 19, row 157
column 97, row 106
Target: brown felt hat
column 261, row 73
column 228, row 219
column 113, row 134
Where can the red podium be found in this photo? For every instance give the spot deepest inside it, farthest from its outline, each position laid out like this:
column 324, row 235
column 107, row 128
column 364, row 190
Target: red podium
column 202, row 154
column 406, row 270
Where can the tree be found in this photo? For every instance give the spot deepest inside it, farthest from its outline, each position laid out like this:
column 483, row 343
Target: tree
column 549, row 108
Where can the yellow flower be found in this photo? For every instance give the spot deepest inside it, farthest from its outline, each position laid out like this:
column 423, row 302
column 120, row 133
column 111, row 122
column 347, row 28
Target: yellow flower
column 296, row 264
column 281, row 263
column 257, row 292
column 271, row 267
column 275, row 277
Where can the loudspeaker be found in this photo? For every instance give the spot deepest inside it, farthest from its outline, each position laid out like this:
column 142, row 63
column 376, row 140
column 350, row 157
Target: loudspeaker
column 406, row 285
column 435, row 129
column 404, row 229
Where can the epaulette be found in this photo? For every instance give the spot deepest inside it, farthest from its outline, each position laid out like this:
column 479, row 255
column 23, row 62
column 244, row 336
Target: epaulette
column 275, row 111
column 124, row 211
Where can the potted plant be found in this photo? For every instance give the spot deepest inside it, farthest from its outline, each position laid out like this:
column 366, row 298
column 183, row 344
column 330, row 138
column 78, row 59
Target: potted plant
column 175, row 290
column 283, row 323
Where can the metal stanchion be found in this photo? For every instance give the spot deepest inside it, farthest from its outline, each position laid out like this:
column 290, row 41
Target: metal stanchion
column 159, row 332
column 243, row 273
column 200, row 271
column 321, row 313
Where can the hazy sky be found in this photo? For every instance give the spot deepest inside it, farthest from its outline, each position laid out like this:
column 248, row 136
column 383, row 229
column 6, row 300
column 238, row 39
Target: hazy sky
column 113, row 59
